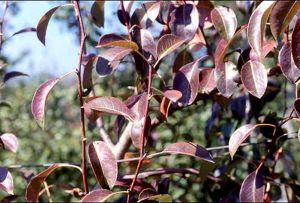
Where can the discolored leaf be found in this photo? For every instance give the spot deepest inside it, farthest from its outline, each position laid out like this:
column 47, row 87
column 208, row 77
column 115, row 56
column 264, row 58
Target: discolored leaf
column 110, row 105
column 254, row 77
column 104, row 164
column 287, row 65
column 238, row 137
column 224, row 76
column 225, row 21
column 296, row 43
column 41, row 28
column 6, row 181
column 113, row 40
column 190, row 149
column 297, row 107
column 186, row 81
column 252, row 189
column 9, row 141
column 39, row 101
column 182, row 59
column 28, row 29
column 281, row 15
column 206, row 80
column 110, row 59
column 97, row 13
column 256, row 26
column 13, row 74
column 166, row 44
column 185, row 21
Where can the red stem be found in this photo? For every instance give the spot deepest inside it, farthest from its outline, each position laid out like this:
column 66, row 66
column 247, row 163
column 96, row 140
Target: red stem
column 79, row 90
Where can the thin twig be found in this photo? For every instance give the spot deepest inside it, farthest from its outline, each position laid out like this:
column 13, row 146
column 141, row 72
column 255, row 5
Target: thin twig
column 2, row 23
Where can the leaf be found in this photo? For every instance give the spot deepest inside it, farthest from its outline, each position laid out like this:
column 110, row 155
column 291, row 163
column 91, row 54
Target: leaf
column 39, row 101
column 41, row 28
column 166, row 44
column 110, row 59
column 124, row 17
column 173, row 95
column 6, row 181
column 28, row 29
column 146, row 193
column 158, row 198
column 182, row 59
column 9, row 141
column 87, row 80
column 298, row 134
column 256, row 26
column 115, row 40
column 185, row 21
column 225, row 21
column 238, row 137
column 99, row 195
column 266, row 48
column 35, row 184
column 254, row 77
column 97, row 13
column 224, row 76
column 252, row 189
column 12, row 74
column 186, row 81
column 206, row 80
column 110, row 105
column 287, row 64
column 296, row 43
column 297, row 107
column 197, row 42
column 281, row 15
column 190, row 149
column 104, row 164
column 164, row 106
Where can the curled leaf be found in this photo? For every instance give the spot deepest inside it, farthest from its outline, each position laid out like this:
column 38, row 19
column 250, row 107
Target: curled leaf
column 13, row 74
column 28, row 29
column 104, row 164
column 9, row 141
column 6, row 181
column 252, row 189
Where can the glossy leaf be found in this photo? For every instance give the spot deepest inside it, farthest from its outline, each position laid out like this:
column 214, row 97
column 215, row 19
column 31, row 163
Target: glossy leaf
column 254, row 77
column 182, row 59
column 281, row 15
column 238, row 137
column 110, row 59
column 104, row 164
column 167, row 44
column 13, row 74
column 41, row 28
column 190, row 149
column 9, row 141
column 6, row 181
column 256, row 26
column 113, row 40
column 206, row 80
column 252, row 189
column 185, row 21
column 287, row 64
column 110, row 105
column 296, row 43
column 39, row 101
column 186, row 81
column 97, row 13
column 224, row 76
column 225, row 21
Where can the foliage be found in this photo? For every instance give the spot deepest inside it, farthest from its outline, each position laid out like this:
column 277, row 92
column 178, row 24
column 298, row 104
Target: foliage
column 166, row 107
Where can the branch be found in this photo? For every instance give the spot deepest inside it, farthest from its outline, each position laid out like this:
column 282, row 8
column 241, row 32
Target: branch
column 103, row 134
column 124, row 142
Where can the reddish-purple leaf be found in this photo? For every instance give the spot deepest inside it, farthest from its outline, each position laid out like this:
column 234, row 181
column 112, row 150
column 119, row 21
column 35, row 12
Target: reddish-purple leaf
column 104, row 164
column 281, row 15
column 287, row 64
column 28, row 29
column 113, row 40
column 39, row 100
column 266, row 48
column 99, row 195
column 197, row 42
column 41, row 28
column 88, row 63
column 145, row 16
column 204, row 10
column 296, row 43
column 254, row 77
column 297, row 107
column 173, row 95
column 97, row 13
column 185, row 21
column 256, row 26
column 6, row 181
column 124, row 17
column 146, row 193
column 224, row 20
column 182, row 59
column 110, row 59
column 12, row 74
column 137, row 131
column 164, row 106
column 110, row 105
column 190, row 149
column 166, row 44
column 252, row 189
column 206, row 80
column 9, row 141
column 224, row 76
column 238, row 137
column 186, row 81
